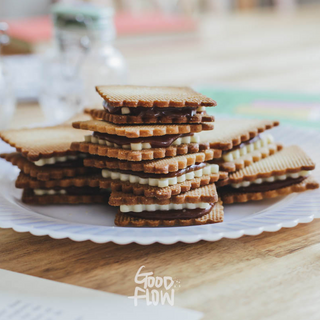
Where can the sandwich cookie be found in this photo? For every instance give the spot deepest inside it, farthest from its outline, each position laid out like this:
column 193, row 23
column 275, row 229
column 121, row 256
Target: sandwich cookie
column 241, row 142
column 283, row 173
column 199, row 206
column 143, row 104
column 81, row 189
column 56, row 171
column 45, row 146
column 136, row 143
column 71, row 196
column 160, row 178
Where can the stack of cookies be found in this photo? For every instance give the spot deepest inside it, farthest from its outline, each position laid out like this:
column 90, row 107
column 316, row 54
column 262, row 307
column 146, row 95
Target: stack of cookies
column 146, row 141
column 157, row 151
column 51, row 172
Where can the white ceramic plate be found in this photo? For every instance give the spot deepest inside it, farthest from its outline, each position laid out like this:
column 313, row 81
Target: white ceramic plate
column 95, row 222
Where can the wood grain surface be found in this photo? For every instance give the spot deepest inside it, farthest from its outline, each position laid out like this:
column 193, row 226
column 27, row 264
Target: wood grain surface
column 270, row 276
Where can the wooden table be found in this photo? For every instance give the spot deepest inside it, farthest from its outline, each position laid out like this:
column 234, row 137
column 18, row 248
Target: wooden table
column 270, row 276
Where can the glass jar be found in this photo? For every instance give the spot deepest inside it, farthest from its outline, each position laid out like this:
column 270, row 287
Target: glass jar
column 82, row 58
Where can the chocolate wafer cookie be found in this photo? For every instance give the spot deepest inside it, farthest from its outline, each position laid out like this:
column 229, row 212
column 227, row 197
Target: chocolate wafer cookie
column 282, row 173
column 215, row 215
column 90, row 180
column 132, row 131
column 162, row 166
column 204, row 194
column 274, row 190
column 191, row 205
column 240, row 159
column 57, row 171
column 46, row 145
column 230, row 133
column 220, row 178
column 241, row 142
column 149, row 97
column 80, row 189
column 137, row 143
column 139, row 155
column 160, row 178
column 165, row 185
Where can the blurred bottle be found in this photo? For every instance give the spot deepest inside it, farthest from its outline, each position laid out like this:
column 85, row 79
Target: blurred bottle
column 83, row 57
column 7, row 98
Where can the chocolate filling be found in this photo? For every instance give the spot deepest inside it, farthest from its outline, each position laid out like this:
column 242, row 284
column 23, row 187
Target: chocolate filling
column 145, row 112
column 155, row 141
column 172, row 214
column 242, row 144
column 178, row 173
column 267, row 186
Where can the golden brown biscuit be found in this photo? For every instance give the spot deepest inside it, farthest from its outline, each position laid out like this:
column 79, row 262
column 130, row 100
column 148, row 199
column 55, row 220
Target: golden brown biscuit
column 204, row 194
column 289, row 160
column 161, row 166
column 146, row 96
column 131, row 131
column 42, row 143
column 140, row 155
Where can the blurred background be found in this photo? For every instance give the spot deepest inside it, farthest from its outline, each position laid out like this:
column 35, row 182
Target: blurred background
column 255, row 57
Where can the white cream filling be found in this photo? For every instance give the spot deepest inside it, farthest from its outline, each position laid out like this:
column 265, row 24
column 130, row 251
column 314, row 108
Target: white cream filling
column 163, row 207
column 42, row 192
column 53, row 160
column 163, row 182
column 201, row 109
column 270, row 179
column 264, row 141
column 126, row 110
column 140, row 146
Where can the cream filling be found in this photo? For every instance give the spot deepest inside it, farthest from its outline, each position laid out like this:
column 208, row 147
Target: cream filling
column 126, row 110
column 270, row 179
column 42, row 192
column 163, row 207
column 140, row 146
column 264, row 141
column 163, row 182
column 53, row 160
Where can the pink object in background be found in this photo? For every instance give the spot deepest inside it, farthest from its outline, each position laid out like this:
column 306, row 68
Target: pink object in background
column 127, row 23
column 31, row 30
column 39, row 29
